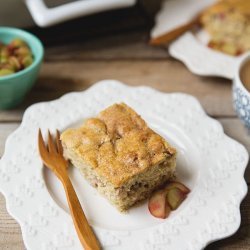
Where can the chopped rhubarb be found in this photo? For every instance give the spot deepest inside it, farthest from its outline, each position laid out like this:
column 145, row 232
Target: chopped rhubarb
column 158, row 206
column 175, row 197
column 163, row 201
column 176, row 184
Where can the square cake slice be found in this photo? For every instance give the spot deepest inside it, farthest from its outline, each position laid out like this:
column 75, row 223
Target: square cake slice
column 228, row 24
column 120, row 155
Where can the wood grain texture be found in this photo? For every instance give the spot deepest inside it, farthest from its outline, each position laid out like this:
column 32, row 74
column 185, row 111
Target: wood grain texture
column 58, row 78
column 168, row 76
column 10, row 232
column 235, row 129
column 126, row 56
column 130, row 46
column 5, row 130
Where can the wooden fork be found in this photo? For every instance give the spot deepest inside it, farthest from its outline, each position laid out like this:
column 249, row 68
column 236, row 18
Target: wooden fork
column 53, row 158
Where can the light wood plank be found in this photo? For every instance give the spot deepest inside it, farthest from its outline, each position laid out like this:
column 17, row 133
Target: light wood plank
column 14, row 115
column 112, row 47
column 169, row 75
column 10, row 232
column 235, row 129
column 5, row 130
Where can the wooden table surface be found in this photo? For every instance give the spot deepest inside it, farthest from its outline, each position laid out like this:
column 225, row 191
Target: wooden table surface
column 128, row 58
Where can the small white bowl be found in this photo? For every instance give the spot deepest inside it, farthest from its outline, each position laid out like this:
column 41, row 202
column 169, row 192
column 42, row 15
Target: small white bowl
column 241, row 96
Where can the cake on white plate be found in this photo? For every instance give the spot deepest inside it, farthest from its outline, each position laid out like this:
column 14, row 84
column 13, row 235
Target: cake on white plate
column 120, row 155
column 228, row 24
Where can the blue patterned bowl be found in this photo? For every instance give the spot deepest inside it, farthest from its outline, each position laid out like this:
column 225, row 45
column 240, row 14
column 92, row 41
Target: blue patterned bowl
column 241, row 96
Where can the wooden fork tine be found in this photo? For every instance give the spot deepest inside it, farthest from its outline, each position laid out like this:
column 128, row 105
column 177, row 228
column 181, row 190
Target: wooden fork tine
column 59, row 143
column 51, row 144
column 53, row 158
column 41, row 144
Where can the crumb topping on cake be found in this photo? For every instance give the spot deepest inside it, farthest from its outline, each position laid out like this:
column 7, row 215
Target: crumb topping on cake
column 228, row 23
column 117, row 144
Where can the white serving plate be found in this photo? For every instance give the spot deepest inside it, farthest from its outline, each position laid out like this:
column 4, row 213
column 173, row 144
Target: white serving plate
column 209, row 162
column 191, row 48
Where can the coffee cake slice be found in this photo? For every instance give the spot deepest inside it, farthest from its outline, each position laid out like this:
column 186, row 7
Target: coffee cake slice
column 228, row 24
column 120, row 155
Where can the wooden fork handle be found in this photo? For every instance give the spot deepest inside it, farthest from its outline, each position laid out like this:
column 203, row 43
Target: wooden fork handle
column 173, row 34
column 84, row 231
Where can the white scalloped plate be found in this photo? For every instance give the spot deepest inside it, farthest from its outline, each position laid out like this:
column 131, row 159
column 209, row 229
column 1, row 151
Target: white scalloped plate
column 192, row 50
column 209, row 162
